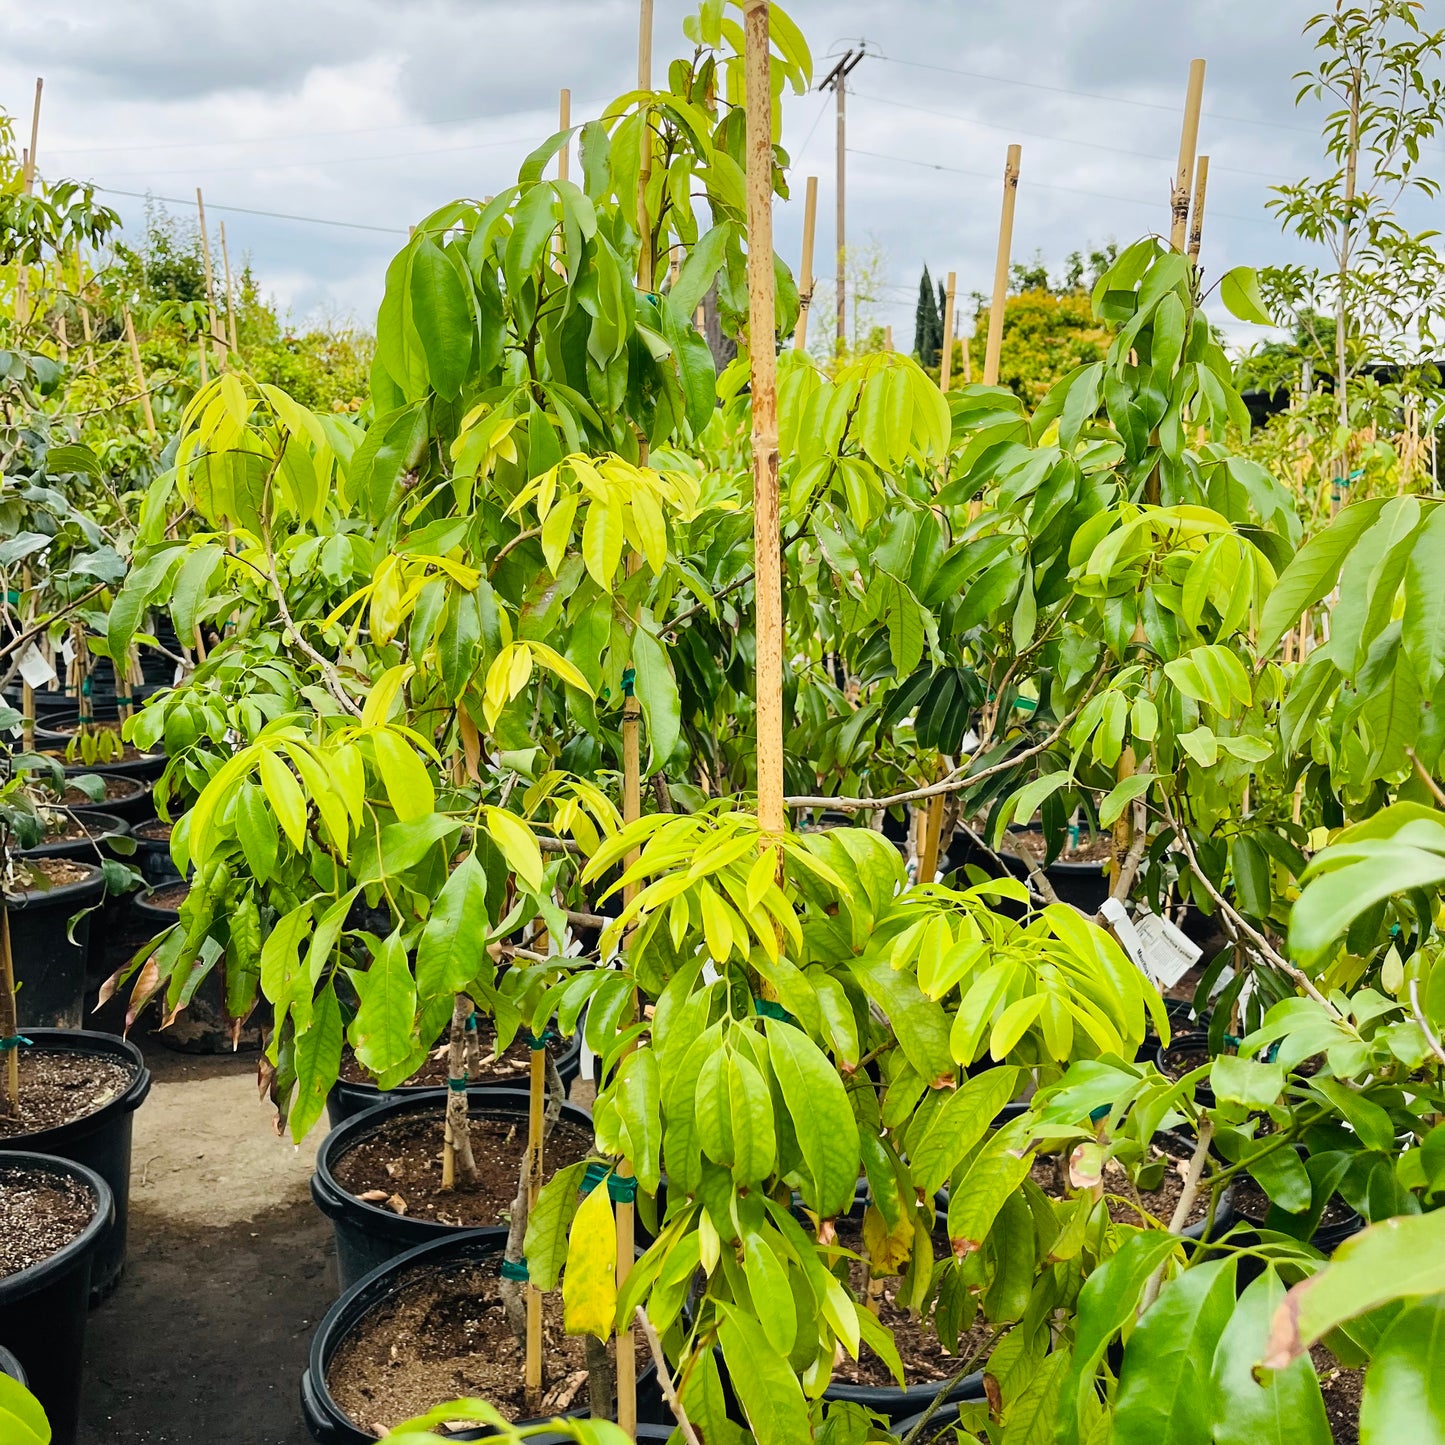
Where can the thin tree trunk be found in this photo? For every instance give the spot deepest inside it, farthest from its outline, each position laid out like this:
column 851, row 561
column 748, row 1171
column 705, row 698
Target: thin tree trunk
column 457, row 1158
column 1342, row 314
column 9, row 1021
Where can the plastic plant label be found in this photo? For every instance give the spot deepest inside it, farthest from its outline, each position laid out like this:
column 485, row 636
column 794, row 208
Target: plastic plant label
column 35, row 669
column 67, row 651
column 1168, row 953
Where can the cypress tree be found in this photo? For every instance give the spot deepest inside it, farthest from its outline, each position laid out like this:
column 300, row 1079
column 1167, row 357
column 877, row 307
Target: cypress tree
column 927, row 323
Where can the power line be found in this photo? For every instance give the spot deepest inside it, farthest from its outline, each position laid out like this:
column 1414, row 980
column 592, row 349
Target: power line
column 284, row 136
column 1045, row 185
column 252, row 211
column 1060, row 139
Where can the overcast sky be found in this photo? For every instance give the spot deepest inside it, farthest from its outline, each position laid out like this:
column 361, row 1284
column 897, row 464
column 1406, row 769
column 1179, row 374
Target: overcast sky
column 373, row 112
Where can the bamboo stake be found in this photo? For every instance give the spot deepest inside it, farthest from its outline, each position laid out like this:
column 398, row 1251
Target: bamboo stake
column 805, row 272
column 631, row 757
column 27, row 693
column 535, row 1105
column 9, row 1016
column 1196, row 216
column 888, row 338
column 945, row 364
column 230, row 294
column 1000, row 268
column 22, row 284
column 1188, row 144
column 201, row 351
column 140, row 376
column 767, row 565
column 564, row 122
column 210, row 282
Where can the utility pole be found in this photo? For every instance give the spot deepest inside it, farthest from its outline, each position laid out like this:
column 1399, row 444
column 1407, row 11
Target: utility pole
column 837, row 79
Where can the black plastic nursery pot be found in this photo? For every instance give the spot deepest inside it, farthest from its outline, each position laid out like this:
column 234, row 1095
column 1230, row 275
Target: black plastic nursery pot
column 327, row 1421
column 1181, row 1057
column 125, row 797
column 368, row 1235
column 346, row 1100
column 100, row 1141
column 43, row 1308
column 99, row 828
column 152, row 855
column 49, row 963
column 9, row 1365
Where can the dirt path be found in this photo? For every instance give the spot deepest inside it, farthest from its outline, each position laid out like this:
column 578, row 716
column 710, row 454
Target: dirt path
column 229, row 1269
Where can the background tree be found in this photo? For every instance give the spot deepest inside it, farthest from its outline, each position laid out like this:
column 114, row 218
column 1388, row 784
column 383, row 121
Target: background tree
column 927, row 322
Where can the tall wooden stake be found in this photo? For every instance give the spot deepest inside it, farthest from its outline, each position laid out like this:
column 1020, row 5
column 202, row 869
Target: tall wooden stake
column 1000, row 268
column 536, row 1104
column 945, row 363
column 210, row 283
column 9, row 1017
column 1188, row 144
column 22, row 284
column 564, row 122
column 645, row 258
column 140, row 376
column 805, row 272
column 767, row 556
column 1196, row 215
column 230, row 294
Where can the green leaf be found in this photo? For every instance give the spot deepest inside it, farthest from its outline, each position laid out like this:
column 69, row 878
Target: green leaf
column 822, row 1118
column 406, row 779
column 1106, row 1304
column 701, row 268
column 190, row 586
column 442, row 314
column 1313, row 571
column 589, row 1284
column 318, row 1062
column 767, row 1388
column 879, row 1339
column 638, row 1096
column 22, row 1421
column 1422, row 632
column 453, row 942
column 518, row 846
column 1399, row 1258
column 284, row 794
column 657, row 692
column 1244, row 1081
column 958, row 1125
column 772, row 1294
column 1280, row 1407
column 1239, row 290
column 1119, row 797
column 383, row 1033
column 549, row 1222
column 1405, row 1384
column 973, row 1205
column 1033, row 1413
column 750, row 1113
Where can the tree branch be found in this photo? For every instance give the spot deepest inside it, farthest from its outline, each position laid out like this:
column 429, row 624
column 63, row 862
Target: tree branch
column 664, row 1377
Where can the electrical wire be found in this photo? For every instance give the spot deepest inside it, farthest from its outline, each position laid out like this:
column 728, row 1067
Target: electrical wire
column 1046, row 185
column 1214, row 166
column 252, row 211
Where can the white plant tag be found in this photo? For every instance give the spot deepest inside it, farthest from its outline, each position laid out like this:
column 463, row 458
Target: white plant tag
column 67, row 651
column 1115, row 917
column 1168, row 953
column 35, row 671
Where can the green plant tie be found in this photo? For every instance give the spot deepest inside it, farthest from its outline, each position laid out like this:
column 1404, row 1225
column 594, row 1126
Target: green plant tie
column 767, row 1009
column 85, row 688
column 15, row 1041
column 621, row 1188
column 458, row 1086
column 515, row 1270
column 472, row 1022
column 629, row 677
column 594, row 1174
column 538, row 1042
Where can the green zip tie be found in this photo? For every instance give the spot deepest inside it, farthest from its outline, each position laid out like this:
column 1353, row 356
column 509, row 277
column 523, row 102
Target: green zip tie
column 471, row 1025
column 629, row 677
column 14, row 1042
column 458, row 1086
column 515, row 1270
column 621, row 1188
column 767, row 1009
column 538, row 1042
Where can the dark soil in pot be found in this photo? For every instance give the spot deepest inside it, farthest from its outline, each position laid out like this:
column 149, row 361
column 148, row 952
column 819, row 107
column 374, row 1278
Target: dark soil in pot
column 53, row 1217
column 442, row 1335
column 1050, row 1173
column 1186, row 1053
column 378, row 1175
column 78, row 1095
column 153, row 852
column 81, row 836
column 426, row 1327
column 354, row 1092
column 49, row 954
column 1342, row 1390
column 401, row 1161
column 1337, row 1221
column 123, row 797
column 926, row 1364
